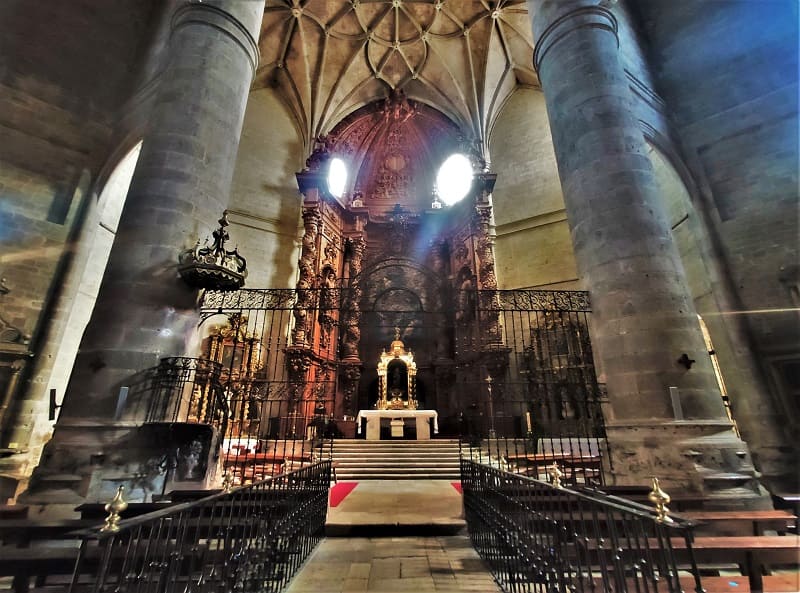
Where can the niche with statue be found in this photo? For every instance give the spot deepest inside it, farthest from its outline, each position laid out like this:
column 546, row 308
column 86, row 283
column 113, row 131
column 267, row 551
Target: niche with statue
column 397, row 377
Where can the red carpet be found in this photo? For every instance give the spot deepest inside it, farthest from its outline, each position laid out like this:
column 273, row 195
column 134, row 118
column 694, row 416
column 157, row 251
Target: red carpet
column 457, row 486
column 340, row 491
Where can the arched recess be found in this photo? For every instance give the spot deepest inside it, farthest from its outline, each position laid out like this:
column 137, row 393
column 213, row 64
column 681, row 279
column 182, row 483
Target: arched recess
column 754, row 409
column 404, row 296
column 93, row 248
column 72, row 307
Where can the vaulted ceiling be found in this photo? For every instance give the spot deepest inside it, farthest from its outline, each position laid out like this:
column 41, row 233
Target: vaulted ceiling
column 328, row 58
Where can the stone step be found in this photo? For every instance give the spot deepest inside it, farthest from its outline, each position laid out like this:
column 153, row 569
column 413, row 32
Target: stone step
column 408, row 442
column 435, row 459
column 410, row 464
column 358, row 476
column 453, row 461
column 400, row 445
column 396, row 448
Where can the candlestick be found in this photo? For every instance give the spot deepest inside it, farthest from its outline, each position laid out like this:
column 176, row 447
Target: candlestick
column 528, row 421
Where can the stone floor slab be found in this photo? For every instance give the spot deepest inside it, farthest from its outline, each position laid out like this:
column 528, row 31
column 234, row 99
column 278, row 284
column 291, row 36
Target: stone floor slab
column 394, row 564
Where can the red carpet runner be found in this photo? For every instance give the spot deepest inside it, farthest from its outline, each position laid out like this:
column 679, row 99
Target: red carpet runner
column 340, row 491
column 457, row 486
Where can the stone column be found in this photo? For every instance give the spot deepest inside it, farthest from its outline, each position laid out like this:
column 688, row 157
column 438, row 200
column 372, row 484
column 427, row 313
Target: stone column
column 646, row 332
column 179, row 189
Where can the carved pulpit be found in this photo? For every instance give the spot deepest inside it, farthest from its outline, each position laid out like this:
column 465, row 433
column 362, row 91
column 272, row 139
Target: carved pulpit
column 397, row 377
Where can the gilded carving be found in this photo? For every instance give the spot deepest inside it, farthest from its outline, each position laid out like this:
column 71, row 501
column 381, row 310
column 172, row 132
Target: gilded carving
column 352, row 334
column 307, row 280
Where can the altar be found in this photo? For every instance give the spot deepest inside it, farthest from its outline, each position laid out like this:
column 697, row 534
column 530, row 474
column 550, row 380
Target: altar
column 397, row 420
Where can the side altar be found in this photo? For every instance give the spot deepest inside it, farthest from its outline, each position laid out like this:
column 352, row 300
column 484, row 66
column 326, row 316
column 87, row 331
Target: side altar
column 397, row 402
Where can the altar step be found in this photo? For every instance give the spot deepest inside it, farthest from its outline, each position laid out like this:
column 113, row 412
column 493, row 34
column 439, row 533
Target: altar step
column 357, row 459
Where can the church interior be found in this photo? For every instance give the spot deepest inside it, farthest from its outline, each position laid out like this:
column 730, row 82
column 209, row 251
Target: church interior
column 248, row 243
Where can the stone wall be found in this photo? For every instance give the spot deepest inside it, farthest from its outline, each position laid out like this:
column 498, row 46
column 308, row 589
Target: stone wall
column 533, row 248
column 734, row 103
column 265, row 201
column 61, row 89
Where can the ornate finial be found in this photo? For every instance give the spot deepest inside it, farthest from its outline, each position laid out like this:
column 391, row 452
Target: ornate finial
column 555, row 474
column 114, row 508
column 661, row 499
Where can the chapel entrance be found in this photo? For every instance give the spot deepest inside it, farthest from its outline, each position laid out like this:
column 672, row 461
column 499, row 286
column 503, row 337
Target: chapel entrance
column 385, row 265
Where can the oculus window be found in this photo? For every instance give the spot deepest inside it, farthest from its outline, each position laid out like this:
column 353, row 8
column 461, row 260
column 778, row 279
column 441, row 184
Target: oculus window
column 454, row 179
column 337, row 177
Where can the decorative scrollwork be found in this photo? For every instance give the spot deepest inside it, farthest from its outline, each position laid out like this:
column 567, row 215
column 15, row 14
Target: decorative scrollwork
column 543, row 300
column 215, row 301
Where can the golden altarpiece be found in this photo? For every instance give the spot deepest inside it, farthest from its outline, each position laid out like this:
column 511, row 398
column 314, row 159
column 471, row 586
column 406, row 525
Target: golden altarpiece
column 397, row 377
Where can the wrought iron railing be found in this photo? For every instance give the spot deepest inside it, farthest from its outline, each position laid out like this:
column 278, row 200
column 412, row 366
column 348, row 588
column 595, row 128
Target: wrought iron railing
column 543, row 402
column 183, row 389
column 539, row 538
column 249, row 540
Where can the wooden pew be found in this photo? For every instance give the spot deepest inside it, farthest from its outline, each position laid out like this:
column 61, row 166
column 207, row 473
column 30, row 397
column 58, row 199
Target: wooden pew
column 254, row 467
column 13, row 511
column 778, row 583
column 96, row 510
column 23, row 564
column 21, row 532
column 573, row 465
column 754, row 554
column 741, row 522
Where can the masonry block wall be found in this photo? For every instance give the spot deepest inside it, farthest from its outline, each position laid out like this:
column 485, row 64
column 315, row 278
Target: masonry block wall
column 265, row 202
column 533, row 248
column 61, row 90
column 728, row 71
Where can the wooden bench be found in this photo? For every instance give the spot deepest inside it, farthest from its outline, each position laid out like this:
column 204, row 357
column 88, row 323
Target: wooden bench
column 23, row 564
column 258, row 466
column 639, row 494
column 533, row 464
column 754, row 554
column 741, row 522
column 21, row 532
column 96, row 510
column 778, row 583
column 13, row 511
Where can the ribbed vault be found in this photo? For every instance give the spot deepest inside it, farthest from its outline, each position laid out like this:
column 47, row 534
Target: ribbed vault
column 463, row 57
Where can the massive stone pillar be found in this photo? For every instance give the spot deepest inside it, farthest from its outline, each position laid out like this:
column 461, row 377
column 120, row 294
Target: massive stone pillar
column 668, row 418
column 179, row 189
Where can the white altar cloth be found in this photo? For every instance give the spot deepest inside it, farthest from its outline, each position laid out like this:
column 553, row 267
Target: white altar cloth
column 373, row 418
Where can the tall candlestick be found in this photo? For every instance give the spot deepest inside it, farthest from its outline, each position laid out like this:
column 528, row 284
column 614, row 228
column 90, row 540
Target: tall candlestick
column 528, row 421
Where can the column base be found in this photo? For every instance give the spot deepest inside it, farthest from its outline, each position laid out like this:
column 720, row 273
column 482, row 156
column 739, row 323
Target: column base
column 691, row 458
column 86, row 462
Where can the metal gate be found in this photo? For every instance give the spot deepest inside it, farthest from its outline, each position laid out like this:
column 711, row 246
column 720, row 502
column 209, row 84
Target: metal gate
column 510, row 372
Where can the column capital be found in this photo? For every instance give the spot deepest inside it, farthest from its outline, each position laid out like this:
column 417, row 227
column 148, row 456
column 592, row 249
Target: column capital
column 225, row 21
column 552, row 21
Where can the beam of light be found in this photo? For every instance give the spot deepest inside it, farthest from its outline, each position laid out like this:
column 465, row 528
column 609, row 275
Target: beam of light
column 54, row 251
column 755, row 312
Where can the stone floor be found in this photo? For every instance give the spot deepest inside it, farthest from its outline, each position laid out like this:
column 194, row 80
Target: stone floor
column 387, row 564
column 377, row 559
column 399, row 506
